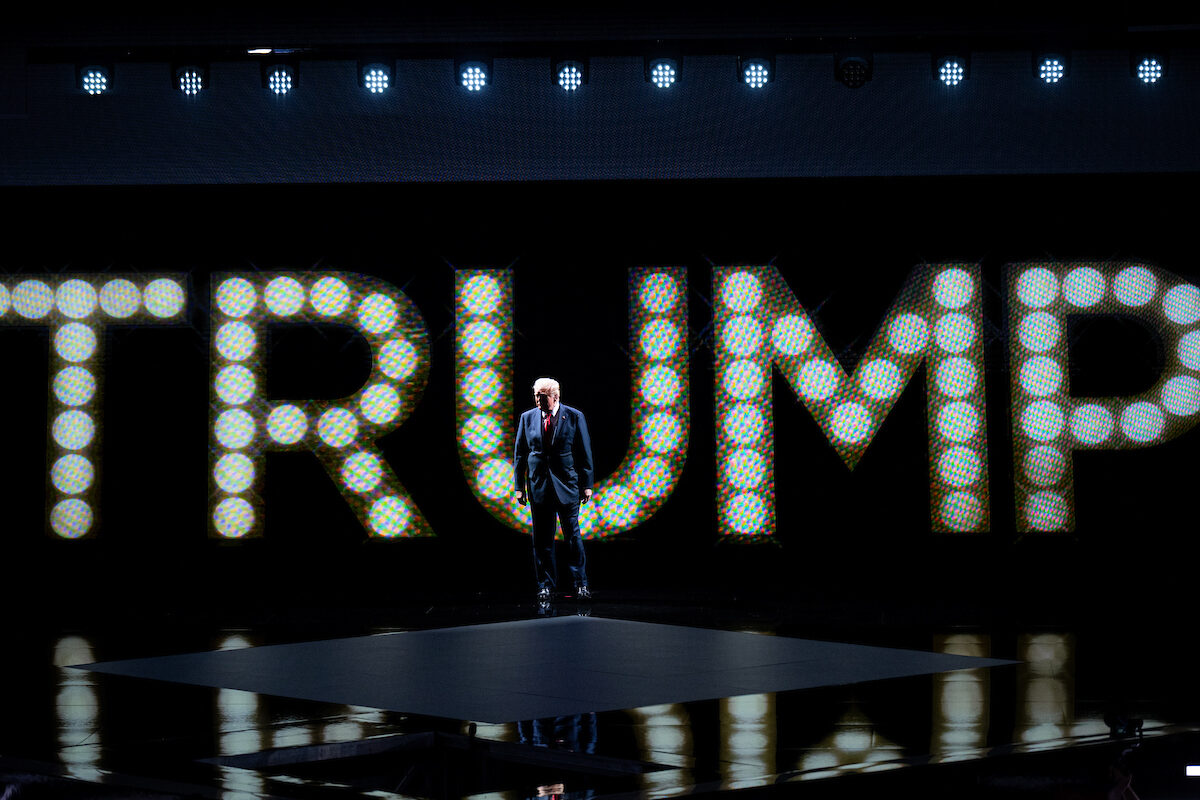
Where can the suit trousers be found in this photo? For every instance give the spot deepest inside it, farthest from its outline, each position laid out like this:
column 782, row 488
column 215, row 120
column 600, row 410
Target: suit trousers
column 544, row 517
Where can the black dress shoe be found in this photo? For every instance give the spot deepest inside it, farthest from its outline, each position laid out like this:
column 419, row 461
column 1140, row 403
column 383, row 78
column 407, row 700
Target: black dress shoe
column 583, row 593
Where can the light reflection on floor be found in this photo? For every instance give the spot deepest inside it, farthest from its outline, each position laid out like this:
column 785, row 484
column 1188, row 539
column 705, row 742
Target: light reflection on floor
column 731, row 743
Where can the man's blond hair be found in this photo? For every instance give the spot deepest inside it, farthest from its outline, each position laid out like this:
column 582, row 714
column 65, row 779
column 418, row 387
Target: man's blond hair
column 546, row 383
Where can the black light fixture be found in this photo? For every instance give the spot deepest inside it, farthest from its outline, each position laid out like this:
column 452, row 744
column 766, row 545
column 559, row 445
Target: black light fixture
column 854, row 67
column 1148, row 66
column 1051, row 66
column 951, row 68
column 662, row 71
column 376, row 75
column 473, row 73
column 756, row 70
column 280, row 76
column 191, row 79
column 570, row 73
column 93, row 77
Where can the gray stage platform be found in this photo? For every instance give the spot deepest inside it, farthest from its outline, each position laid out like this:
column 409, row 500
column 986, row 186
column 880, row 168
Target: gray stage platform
column 529, row 669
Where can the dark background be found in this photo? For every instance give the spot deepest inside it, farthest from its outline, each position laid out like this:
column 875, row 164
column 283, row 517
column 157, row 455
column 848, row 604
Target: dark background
column 845, row 248
column 843, row 190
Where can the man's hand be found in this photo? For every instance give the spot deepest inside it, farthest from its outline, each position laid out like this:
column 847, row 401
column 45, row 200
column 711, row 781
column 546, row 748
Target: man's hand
column 587, row 495
column 521, row 498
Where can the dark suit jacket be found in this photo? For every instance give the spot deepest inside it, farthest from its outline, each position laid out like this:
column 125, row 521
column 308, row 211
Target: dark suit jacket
column 561, row 472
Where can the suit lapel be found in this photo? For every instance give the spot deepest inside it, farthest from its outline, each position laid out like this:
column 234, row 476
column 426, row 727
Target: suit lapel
column 559, row 419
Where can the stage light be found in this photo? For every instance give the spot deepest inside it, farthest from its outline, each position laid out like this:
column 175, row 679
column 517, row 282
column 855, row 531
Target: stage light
column 1143, row 422
column 380, row 404
column 235, row 384
column 908, row 333
column 1045, row 465
column 744, row 423
column 1149, row 71
column 164, row 297
column 960, row 466
column 662, row 72
column 284, row 296
column 660, row 339
column 377, row 314
column 661, row 432
column 95, row 79
column 120, row 298
column 951, row 70
column 956, row 377
column 818, row 379
column 233, row 517
column 481, row 295
column 618, row 506
column 1050, row 67
column 953, row 288
column 1037, row 287
column 1083, row 287
column 1182, row 304
column 330, row 296
column 570, row 75
column 854, row 69
column 741, row 292
column 236, row 341
column 337, row 427
column 1091, row 424
column 1041, row 376
column 481, row 341
column 234, row 473
column 279, row 78
column 1181, row 396
column 71, row 518
column 756, row 72
column 375, row 77
column 958, row 421
column 235, row 429
column 660, row 386
column 1189, row 350
column 191, row 79
column 743, row 379
column 74, row 386
column 75, row 342
column 882, row 379
column 1135, row 286
column 1148, row 67
column 850, row 422
column 1046, row 511
column 1039, row 332
column 1043, row 420
column 287, row 424
column 362, row 472
column 1192, row 771
column 236, row 297
column 75, row 298
column 473, row 75
column 73, row 430
column 792, row 334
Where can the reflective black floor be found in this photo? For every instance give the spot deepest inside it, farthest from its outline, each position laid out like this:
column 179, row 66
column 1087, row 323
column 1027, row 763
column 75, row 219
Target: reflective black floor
column 1058, row 723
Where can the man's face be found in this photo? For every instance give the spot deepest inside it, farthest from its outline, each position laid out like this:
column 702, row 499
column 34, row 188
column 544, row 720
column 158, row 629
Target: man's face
column 546, row 399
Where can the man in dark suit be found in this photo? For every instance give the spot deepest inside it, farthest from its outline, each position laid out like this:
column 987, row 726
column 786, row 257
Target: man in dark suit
column 553, row 470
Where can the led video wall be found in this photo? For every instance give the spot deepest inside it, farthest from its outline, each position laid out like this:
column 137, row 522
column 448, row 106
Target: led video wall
column 658, row 410
column 760, row 325
column 756, row 328
column 1049, row 425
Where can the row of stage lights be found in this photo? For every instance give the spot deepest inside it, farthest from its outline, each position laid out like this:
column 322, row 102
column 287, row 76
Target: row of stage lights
column 756, row 72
